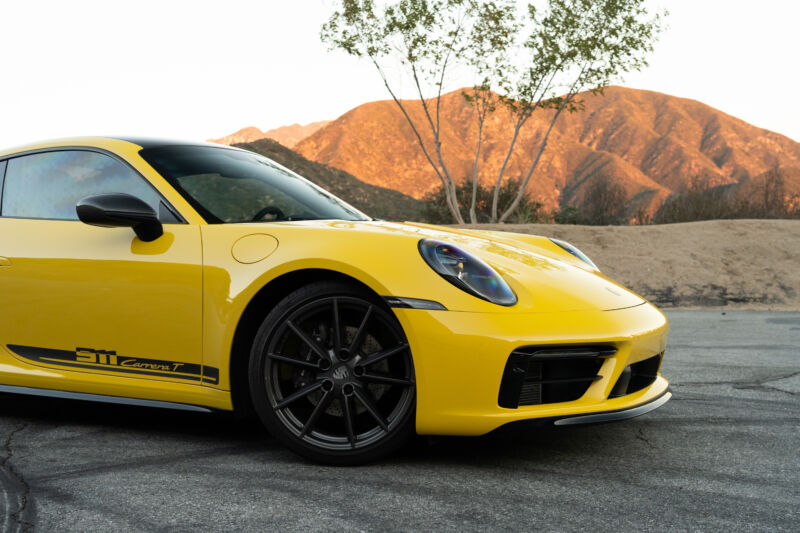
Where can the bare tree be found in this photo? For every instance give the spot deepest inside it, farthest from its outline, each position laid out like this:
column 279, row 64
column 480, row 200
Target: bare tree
column 485, row 102
column 536, row 58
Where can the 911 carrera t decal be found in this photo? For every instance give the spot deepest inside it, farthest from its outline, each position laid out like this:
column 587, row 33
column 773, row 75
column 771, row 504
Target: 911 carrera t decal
column 90, row 358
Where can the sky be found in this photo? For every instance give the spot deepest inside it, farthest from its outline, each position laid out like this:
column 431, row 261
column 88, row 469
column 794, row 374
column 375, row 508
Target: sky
column 202, row 69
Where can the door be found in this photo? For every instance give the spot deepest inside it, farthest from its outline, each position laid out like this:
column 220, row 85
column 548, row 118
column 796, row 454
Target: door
column 96, row 301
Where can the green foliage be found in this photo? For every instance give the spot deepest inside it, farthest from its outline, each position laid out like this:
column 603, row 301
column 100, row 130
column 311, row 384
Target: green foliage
column 436, row 212
column 581, row 44
column 567, row 214
column 520, row 58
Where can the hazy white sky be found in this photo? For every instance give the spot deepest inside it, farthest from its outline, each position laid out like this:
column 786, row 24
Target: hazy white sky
column 200, row 69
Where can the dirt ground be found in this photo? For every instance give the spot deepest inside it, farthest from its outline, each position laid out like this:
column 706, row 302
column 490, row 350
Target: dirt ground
column 737, row 264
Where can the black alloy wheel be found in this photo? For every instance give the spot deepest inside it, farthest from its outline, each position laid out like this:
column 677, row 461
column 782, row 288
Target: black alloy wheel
column 331, row 375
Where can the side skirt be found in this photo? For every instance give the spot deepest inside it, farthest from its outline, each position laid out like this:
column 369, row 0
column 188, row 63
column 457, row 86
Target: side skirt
column 102, row 398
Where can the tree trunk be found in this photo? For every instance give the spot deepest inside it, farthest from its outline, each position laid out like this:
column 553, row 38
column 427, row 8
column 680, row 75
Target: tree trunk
column 449, row 191
column 524, row 184
column 499, row 180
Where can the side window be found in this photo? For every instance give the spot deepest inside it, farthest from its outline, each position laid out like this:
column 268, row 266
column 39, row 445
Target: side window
column 50, row 184
column 2, row 173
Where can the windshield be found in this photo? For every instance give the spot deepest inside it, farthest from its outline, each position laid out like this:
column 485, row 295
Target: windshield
column 229, row 186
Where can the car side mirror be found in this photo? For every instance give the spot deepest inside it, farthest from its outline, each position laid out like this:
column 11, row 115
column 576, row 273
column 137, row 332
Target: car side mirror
column 121, row 210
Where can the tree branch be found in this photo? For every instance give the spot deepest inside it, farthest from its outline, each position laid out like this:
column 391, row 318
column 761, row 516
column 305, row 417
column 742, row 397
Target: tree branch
column 481, row 109
column 522, row 117
column 450, row 184
column 573, row 90
column 420, row 141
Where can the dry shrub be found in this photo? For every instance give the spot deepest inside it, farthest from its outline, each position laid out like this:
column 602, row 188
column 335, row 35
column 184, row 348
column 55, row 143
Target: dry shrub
column 700, row 201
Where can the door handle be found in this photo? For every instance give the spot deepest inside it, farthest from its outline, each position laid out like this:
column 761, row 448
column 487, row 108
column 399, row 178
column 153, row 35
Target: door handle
column 5, row 261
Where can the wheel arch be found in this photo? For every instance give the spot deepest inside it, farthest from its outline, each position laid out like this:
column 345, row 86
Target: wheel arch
column 252, row 316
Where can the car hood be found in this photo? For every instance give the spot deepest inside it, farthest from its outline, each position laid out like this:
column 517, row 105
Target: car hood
column 553, row 278
column 543, row 275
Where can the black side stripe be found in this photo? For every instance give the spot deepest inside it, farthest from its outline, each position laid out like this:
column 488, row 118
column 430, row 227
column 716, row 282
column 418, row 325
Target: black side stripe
column 111, row 362
column 210, row 375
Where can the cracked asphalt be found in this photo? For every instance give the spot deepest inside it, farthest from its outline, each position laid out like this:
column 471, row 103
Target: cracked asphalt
column 723, row 454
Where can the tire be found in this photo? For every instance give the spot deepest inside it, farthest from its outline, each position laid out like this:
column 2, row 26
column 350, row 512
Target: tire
column 332, row 376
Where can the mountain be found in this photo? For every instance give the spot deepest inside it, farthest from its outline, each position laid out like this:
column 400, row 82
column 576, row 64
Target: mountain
column 651, row 144
column 286, row 135
column 373, row 200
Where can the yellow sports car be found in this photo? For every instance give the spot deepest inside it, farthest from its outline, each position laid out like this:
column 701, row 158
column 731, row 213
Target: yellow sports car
column 205, row 277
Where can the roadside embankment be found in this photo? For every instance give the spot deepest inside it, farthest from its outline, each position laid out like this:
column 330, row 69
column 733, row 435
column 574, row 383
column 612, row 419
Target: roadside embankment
column 743, row 264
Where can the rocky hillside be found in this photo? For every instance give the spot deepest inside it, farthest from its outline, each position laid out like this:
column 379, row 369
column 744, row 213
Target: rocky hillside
column 652, row 144
column 373, row 200
column 286, row 135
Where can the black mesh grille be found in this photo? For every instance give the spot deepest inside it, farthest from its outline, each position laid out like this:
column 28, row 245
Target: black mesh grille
column 531, row 394
column 550, row 374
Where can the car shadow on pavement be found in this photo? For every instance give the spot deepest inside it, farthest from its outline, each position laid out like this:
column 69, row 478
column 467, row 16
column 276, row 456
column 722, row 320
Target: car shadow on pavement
column 106, row 416
column 247, row 433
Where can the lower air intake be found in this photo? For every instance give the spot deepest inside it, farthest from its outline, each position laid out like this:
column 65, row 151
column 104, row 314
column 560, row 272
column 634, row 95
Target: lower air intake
column 637, row 376
column 550, row 374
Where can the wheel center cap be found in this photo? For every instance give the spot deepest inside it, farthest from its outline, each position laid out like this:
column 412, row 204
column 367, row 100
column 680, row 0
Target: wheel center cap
column 341, row 373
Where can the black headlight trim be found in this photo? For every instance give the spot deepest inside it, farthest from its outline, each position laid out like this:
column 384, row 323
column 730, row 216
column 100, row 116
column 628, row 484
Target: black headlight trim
column 428, row 248
column 574, row 251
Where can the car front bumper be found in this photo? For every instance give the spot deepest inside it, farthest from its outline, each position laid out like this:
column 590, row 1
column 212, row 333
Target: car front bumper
column 460, row 358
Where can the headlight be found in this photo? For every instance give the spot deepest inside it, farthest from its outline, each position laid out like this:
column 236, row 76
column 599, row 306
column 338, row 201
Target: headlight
column 466, row 272
column 577, row 253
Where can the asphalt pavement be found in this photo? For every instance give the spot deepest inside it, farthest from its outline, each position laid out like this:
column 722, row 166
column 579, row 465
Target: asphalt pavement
column 723, row 454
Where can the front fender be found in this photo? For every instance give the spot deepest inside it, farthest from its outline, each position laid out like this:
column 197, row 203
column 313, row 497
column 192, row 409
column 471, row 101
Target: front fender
column 389, row 267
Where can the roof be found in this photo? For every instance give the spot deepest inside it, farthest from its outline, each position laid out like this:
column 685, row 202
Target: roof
column 151, row 142
column 102, row 141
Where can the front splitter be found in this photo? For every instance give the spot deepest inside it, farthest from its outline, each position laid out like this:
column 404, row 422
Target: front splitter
column 613, row 416
column 592, row 418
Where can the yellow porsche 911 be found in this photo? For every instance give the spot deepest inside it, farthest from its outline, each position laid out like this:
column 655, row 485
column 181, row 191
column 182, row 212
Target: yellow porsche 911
column 205, row 277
